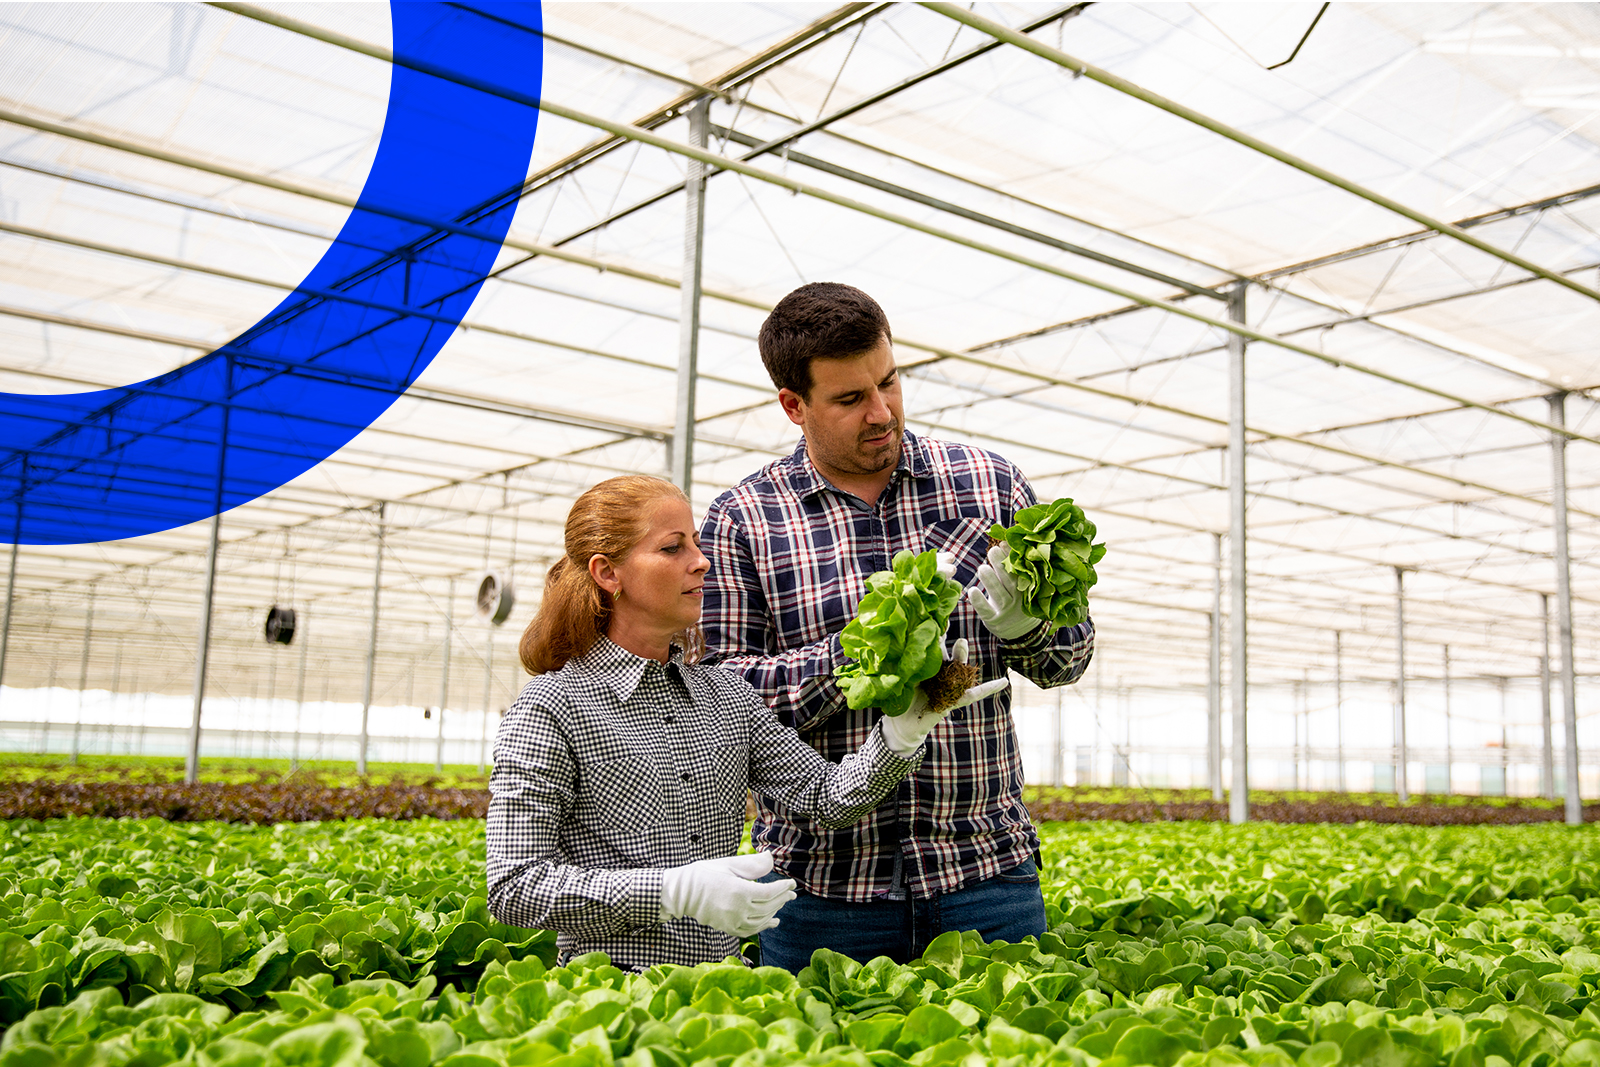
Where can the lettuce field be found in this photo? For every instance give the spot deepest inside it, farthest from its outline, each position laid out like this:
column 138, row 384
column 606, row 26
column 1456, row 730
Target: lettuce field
column 342, row 944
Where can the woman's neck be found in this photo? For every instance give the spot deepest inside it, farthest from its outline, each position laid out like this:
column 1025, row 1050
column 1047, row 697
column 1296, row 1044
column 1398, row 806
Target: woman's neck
column 646, row 644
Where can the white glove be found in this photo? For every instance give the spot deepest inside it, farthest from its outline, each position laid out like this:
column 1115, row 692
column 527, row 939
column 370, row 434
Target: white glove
column 906, row 732
column 723, row 894
column 995, row 598
column 945, row 564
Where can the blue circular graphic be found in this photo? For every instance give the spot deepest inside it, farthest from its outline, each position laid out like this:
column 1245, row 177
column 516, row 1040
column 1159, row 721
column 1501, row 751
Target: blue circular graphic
column 334, row 355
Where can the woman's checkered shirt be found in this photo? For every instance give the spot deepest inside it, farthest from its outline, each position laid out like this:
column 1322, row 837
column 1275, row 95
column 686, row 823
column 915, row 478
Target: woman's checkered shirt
column 616, row 767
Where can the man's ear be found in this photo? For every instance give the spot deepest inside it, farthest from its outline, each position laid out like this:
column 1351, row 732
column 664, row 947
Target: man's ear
column 603, row 573
column 794, row 406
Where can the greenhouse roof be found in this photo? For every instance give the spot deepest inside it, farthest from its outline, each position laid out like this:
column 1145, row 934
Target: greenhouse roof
column 1059, row 207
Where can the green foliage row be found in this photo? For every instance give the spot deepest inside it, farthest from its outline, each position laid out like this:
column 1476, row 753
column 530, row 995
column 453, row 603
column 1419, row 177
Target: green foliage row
column 223, row 770
column 1179, row 944
column 233, row 913
column 963, row 1002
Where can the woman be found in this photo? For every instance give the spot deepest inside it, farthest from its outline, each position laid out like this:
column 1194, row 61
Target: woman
column 618, row 790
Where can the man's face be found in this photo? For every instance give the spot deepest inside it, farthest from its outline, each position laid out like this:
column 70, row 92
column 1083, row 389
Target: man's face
column 853, row 418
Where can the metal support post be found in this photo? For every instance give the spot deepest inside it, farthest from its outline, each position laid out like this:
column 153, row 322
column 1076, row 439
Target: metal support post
column 1547, row 762
column 1449, row 732
column 1058, row 747
column 1295, row 746
column 1338, row 698
column 444, row 674
column 191, row 768
column 372, row 644
column 1569, row 680
column 1239, row 801
column 299, row 690
column 1214, row 681
column 488, row 697
column 1401, row 757
column 694, row 229
column 83, row 674
column 114, row 692
column 1505, row 741
column 11, row 575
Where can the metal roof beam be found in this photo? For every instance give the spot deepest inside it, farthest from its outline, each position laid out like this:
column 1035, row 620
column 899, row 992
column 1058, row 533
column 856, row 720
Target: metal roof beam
column 713, row 159
column 1002, row 32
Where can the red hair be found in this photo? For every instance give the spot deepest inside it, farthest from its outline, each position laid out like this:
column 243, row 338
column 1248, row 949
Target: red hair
column 608, row 520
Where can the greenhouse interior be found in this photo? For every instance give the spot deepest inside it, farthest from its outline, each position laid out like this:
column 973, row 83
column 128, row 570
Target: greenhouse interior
column 318, row 319
column 1400, row 218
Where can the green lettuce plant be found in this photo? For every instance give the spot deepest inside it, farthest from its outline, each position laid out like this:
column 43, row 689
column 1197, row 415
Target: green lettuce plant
column 895, row 640
column 1052, row 560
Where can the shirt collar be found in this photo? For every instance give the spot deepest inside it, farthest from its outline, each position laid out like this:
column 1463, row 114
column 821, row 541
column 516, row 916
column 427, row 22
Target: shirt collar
column 808, row 481
column 620, row 670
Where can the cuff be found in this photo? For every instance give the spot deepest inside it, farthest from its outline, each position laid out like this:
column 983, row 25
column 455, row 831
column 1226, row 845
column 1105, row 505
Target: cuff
column 642, row 904
column 1035, row 640
column 880, row 753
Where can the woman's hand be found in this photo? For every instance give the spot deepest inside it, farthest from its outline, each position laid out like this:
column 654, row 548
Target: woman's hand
column 723, row 894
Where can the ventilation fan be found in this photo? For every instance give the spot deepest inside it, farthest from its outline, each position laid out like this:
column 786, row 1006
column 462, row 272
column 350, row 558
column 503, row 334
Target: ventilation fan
column 280, row 625
column 496, row 598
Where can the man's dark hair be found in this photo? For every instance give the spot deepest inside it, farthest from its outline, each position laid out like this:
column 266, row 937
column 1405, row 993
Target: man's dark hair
column 820, row 320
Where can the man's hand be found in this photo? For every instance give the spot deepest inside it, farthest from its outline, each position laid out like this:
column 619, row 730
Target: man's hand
column 905, row 733
column 995, row 599
column 723, row 894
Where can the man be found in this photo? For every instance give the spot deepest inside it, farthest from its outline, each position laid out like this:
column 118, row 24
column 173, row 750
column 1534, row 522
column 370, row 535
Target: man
column 791, row 548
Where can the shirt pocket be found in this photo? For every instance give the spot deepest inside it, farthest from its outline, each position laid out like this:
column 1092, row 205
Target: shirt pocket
column 967, row 539
column 616, row 797
column 730, row 779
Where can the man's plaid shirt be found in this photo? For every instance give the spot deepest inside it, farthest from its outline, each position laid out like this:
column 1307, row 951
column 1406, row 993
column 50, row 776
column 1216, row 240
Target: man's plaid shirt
column 790, row 555
column 616, row 767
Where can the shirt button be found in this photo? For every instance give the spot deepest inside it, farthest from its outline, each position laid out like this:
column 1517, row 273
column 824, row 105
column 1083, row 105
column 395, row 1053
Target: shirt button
column 683, row 777
column 695, row 838
column 669, row 720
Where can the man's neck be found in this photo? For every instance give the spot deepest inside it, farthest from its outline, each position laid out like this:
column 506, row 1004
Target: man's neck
column 869, row 487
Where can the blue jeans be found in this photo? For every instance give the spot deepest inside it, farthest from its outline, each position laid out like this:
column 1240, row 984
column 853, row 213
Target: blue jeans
column 1007, row 907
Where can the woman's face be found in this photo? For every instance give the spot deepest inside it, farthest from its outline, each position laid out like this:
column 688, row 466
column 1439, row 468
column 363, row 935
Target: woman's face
column 660, row 581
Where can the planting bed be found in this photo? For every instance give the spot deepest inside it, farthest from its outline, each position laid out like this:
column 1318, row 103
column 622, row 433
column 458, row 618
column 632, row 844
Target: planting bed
column 146, row 942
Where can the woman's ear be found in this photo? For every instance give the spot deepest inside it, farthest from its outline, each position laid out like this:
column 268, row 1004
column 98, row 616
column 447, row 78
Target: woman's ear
column 604, row 574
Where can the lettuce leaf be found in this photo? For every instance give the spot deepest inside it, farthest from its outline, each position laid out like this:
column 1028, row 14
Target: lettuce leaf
column 1052, row 560
column 895, row 639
